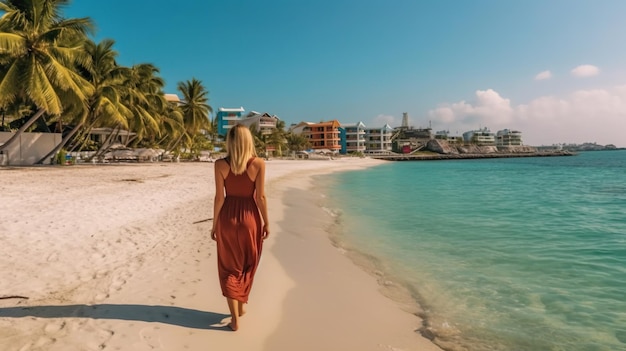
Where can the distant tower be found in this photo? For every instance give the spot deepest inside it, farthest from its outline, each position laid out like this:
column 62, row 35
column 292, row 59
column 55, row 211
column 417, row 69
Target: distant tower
column 405, row 120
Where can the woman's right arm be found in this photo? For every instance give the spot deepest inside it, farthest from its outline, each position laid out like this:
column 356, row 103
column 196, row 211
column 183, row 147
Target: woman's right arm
column 218, row 202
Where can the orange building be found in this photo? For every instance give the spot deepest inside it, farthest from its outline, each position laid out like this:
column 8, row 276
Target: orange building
column 322, row 135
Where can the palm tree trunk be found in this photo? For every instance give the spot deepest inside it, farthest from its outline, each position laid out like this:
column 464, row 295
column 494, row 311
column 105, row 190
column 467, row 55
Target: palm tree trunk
column 19, row 132
column 107, row 143
column 61, row 144
column 130, row 139
column 83, row 136
column 175, row 145
column 81, row 139
column 85, row 132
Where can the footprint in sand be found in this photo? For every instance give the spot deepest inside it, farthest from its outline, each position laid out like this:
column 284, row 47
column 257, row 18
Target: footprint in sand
column 150, row 336
column 54, row 328
column 101, row 297
column 103, row 337
column 117, row 284
column 85, row 277
column 101, row 273
column 53, row 257
column 42, row 342
column 97, row 255
column 125, row 274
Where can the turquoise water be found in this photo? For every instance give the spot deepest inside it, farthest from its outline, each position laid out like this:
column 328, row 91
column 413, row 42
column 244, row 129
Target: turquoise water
column 502, row 254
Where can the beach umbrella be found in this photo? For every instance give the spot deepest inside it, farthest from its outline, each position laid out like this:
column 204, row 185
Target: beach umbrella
column 117, row 146
column 123, row 153
column 147, row 154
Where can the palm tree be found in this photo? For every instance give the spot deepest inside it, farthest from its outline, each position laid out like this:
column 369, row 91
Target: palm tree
column 39, row 53
column 15, row 112
column 104, row 106
column 277, row 138
column 195, row 108
column 297, row 142
column 260, row 140
column 172, row 127
column 144, row 98
column 142, row 101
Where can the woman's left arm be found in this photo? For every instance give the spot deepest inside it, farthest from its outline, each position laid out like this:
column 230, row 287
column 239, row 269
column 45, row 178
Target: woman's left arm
column 261, row 201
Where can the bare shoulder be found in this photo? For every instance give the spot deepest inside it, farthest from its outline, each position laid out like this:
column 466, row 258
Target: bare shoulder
column 221, row 163
column 259, row 161
column 222, row 167
column 257, row 166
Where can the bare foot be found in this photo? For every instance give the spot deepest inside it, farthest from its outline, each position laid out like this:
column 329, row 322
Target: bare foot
column 233, row 326
column 242, row 310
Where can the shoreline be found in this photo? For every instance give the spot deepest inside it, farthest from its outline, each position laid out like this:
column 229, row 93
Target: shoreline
column 119, row 258
column 436, row 157
column 357, row 313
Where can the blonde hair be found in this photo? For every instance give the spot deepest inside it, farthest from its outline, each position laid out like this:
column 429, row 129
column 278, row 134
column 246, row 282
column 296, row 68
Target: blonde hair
column 240, row 148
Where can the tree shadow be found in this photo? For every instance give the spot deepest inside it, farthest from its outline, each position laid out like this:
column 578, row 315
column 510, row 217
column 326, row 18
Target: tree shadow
column 183, row 317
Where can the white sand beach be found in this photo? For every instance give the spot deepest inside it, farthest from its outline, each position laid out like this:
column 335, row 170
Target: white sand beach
column 118, row 257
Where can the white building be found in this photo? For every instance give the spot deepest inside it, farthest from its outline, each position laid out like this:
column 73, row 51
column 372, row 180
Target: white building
column 261, row 122
column 354, row 136
column 228, row 117
column 481, row 137
column 378, row 139
column 507, row 137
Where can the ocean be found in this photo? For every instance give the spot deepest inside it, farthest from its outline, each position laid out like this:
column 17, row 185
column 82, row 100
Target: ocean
column 500, row 254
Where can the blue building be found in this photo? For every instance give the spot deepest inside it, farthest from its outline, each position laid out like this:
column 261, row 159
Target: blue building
column 352, row 137
column 227, row 118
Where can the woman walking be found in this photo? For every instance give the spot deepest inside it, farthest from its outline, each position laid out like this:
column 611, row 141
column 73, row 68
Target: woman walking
column 241, row 221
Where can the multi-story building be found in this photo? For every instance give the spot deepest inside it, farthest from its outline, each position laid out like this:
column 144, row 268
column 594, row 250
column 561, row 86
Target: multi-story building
column 480, row 137
column 322, row 135
column 261, row 122
column 507, row 137
column 352, row 137
column 172, row 98
column 451, row 139
column 227, row 118
column 378, row 139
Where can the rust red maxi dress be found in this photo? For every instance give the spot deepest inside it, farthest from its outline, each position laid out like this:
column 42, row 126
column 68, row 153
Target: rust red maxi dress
column 239, row 236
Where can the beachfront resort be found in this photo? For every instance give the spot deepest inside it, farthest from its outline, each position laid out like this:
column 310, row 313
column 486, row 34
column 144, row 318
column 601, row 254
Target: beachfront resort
column 333, row 136
column 274, row 139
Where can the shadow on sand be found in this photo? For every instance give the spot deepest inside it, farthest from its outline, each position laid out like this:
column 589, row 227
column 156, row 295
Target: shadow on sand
column 183, row 317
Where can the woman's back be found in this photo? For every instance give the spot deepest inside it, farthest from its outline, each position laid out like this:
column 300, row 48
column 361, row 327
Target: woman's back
column 240, row 185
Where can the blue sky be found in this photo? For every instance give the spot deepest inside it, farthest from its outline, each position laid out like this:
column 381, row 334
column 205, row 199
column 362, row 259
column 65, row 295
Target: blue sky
column 553, row 69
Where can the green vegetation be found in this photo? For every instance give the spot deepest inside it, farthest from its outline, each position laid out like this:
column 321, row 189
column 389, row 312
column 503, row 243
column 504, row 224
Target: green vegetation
column 60, row 158
column 54, row 78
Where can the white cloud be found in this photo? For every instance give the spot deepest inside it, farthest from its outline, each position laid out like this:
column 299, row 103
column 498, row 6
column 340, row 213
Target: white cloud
column 489, row 107
column 597, row 115
column 543, row 75
column 585, row 71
